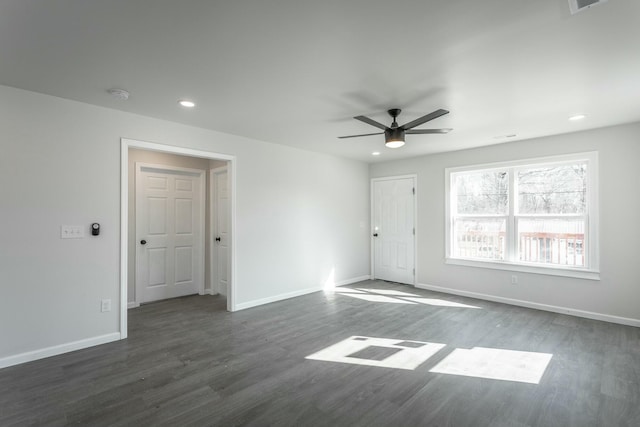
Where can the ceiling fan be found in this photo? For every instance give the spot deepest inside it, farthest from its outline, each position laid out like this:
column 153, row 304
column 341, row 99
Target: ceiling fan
column 394, row 134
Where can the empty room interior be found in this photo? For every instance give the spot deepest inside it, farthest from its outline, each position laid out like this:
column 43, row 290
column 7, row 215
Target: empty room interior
column 357, row 213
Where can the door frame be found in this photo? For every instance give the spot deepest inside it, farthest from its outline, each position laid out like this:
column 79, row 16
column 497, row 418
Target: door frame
column 414, row 177
column 125, row 144
column 213, row 212
column 201, row 217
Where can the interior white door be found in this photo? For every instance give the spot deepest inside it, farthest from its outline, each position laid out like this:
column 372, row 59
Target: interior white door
column 394, row 229
column 169, row 232
column 221, row 213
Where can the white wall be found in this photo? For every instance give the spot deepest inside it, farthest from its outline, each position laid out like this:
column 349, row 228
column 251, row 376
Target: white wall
column 618, row 291
column 299, row 216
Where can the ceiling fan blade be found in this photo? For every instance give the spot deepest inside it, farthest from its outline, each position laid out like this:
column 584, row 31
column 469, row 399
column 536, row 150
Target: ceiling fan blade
column 357, row 136
column 425, row 131
column 371, row 122
column 424, row 119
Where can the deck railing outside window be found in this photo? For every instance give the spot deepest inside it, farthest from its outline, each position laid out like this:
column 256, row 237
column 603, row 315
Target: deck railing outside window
column 559, row 249
column 545, row 248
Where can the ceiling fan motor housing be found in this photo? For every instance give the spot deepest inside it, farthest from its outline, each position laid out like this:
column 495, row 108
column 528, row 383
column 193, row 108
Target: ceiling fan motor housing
column 394, row 134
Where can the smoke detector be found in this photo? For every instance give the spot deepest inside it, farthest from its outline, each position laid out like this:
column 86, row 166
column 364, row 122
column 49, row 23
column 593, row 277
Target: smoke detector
column 119, row 93
column 580, row 5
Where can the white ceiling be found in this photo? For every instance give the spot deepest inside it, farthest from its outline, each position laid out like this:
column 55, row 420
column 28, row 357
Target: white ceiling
column 295, row 72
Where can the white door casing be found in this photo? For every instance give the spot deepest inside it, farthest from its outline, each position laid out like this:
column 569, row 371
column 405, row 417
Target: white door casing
column 220, row 230
column 125, row 145
column 393, row 229
column 169, row 232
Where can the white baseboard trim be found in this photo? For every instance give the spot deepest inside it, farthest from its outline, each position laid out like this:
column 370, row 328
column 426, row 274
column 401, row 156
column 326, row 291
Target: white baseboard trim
column 255, row 303
column 538, row 306
column 133, row 304
column 353, row 280
column 57, row 349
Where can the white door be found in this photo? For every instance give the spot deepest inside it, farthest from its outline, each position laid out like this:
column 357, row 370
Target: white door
column 169, row 232
column 222, row 239
column 394, row 229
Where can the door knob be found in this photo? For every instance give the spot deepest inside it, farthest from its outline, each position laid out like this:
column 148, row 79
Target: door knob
column 375, row 234
column 217, row 239
column 143, row 242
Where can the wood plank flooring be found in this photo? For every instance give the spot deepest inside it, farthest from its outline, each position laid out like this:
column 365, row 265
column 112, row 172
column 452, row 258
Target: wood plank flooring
column 188, row 362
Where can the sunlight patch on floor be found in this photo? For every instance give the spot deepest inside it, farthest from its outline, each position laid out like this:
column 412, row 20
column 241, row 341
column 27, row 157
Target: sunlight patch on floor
column 396, row 297
column 379, row 352
column 347, row 291
column 440, row 302
column 479, row 362
column 388, row 292
column 496, row 364
column 380, row 298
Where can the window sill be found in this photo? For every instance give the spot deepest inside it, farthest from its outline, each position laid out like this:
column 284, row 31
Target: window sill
column 524, row 268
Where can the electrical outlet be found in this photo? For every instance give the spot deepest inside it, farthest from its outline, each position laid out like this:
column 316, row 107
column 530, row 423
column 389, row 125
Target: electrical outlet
column 105, row 305
column 514, row 279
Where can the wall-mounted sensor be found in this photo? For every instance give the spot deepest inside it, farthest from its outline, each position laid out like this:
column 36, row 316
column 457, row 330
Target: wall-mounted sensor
column 95, row 229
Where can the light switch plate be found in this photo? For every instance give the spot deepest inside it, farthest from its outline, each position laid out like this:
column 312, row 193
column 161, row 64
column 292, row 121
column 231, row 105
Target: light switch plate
column 105, row 305
column 71, row 232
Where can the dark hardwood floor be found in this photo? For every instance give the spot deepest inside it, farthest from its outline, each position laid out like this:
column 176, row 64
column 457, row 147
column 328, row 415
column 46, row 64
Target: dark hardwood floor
column 188, row 362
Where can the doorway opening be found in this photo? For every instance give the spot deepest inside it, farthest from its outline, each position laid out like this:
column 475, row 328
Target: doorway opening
column 177, row 224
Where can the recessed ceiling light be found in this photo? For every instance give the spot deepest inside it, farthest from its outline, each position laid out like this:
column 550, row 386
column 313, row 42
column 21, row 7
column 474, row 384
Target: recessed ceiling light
column 375, row 153
column 577, row 117
column 119, row 93
column 186, row 103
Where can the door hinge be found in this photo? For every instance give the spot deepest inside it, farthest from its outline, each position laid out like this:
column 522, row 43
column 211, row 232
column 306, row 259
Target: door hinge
column 414, row 271
column 414, row 190
column 414, row 231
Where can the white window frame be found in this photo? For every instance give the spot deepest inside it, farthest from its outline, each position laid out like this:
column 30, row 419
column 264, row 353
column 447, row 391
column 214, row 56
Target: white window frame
column 590, row 271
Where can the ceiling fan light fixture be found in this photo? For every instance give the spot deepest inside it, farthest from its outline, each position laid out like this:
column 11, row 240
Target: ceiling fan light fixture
column 394, row 137
column 394, row 143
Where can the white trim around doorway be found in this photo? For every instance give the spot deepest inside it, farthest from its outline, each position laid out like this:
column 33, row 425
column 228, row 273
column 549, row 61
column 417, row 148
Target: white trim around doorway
column 125, row 144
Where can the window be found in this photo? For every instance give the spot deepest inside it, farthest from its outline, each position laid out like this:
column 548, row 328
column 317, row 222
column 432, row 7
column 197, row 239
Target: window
column 536, row 215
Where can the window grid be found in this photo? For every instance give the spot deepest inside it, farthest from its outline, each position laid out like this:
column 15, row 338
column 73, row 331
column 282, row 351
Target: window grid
column 557, row 240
